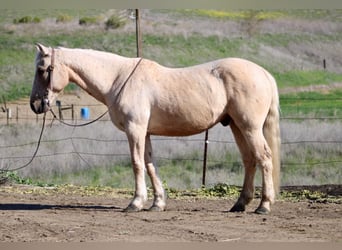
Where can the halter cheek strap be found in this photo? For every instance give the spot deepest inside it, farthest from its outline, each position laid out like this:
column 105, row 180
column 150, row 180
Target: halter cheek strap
column 51, row 68
column 50, row 71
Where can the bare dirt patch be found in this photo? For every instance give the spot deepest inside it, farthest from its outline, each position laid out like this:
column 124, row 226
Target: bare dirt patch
column 41, row 214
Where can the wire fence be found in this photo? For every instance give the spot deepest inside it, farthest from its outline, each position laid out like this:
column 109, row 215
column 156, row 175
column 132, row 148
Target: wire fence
column 294, row 108
column 303, row 147
column 182, row 139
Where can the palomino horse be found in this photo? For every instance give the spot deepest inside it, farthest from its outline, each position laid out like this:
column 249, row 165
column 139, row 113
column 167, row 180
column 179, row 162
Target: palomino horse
column 145, row 98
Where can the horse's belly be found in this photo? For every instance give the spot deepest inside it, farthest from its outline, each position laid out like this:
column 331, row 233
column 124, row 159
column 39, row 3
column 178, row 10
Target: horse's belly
column 174, row 131
column 177, row 125
column 186, row 102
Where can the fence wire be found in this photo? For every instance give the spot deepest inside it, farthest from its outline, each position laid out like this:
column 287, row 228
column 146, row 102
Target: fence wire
column 75, row 146
column 179, row 139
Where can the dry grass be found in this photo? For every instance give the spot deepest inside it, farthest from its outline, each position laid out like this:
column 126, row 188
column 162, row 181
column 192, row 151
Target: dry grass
column 104, row 152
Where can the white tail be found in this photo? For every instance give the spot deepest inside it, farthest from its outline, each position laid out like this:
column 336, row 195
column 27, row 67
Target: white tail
column 272, row 134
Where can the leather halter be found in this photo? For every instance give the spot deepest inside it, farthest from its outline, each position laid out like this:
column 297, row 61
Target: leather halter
column 51, row 68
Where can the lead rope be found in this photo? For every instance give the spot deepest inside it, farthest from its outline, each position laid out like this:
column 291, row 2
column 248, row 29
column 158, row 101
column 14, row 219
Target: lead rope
column 3, row 172
column 78, row 125
column 98, row 118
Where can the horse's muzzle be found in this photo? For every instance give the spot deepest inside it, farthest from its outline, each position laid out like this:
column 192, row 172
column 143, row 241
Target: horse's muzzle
column 40, row 106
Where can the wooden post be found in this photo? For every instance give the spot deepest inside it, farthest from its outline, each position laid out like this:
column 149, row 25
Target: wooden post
column 138, row 33
column 59, row 105
column 17, row 114
column 8, row 115
column 206, row 142
column 72, row 112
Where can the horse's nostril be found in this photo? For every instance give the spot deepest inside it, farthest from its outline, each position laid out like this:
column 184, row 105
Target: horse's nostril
column 37, row 106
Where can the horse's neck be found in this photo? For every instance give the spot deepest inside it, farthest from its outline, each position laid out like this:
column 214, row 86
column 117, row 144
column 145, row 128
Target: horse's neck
column 95, row 72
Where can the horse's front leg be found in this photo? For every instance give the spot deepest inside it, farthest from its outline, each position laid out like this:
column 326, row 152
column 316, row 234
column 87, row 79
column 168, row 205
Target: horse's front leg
column 159, row 201
column 136, row 138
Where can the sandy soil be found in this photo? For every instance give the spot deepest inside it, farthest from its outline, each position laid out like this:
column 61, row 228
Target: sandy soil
column 38, row 214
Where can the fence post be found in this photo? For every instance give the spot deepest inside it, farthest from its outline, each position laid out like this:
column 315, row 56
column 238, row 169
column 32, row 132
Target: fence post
column 8, row 114
column 206, row 142
column 72, row 112
column 17, row 115
column 138, row 34
column 59, row 105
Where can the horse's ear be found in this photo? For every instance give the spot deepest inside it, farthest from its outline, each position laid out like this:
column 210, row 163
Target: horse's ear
column 42, row 49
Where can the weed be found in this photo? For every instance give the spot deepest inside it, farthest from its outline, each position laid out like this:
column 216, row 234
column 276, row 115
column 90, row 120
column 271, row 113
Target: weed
column 63, row 18
column 89, row 20
column 221, row 190
column 13, row 177
column 114, row 22
column 313, row 196
column 27, row 19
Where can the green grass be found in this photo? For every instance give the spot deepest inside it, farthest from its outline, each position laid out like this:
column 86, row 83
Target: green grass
column 310, row 14
column 312, row 104
column 234, row 15
column 10, row 14
column 306, row 78
column 118, row 176
column 17, row 50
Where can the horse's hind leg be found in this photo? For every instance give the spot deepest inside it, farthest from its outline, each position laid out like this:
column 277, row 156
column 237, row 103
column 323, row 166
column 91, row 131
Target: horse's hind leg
column 249, row 162
column 159, row 201
column 263, row 156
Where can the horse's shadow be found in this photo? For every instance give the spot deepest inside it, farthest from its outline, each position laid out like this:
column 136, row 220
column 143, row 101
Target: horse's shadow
column 34, row 207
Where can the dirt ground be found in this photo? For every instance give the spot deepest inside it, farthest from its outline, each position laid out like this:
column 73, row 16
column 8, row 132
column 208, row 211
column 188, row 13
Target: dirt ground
column 31, row 214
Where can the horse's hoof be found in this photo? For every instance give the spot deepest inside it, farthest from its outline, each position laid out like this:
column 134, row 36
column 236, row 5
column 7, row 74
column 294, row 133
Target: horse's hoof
column 262, row 210
column 156, row 209
column 237, row 208
column 131, row 209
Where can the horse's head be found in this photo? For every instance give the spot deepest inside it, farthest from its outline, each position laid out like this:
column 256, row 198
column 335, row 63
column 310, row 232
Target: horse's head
column 50, row 79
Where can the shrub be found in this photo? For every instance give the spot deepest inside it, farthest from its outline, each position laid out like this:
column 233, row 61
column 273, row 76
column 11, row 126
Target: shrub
column 88, row 20
column 63, row 18
column 27, row 19
column 115, row 22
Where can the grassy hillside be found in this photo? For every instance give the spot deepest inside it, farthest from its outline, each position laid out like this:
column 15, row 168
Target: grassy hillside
column 291, row 45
